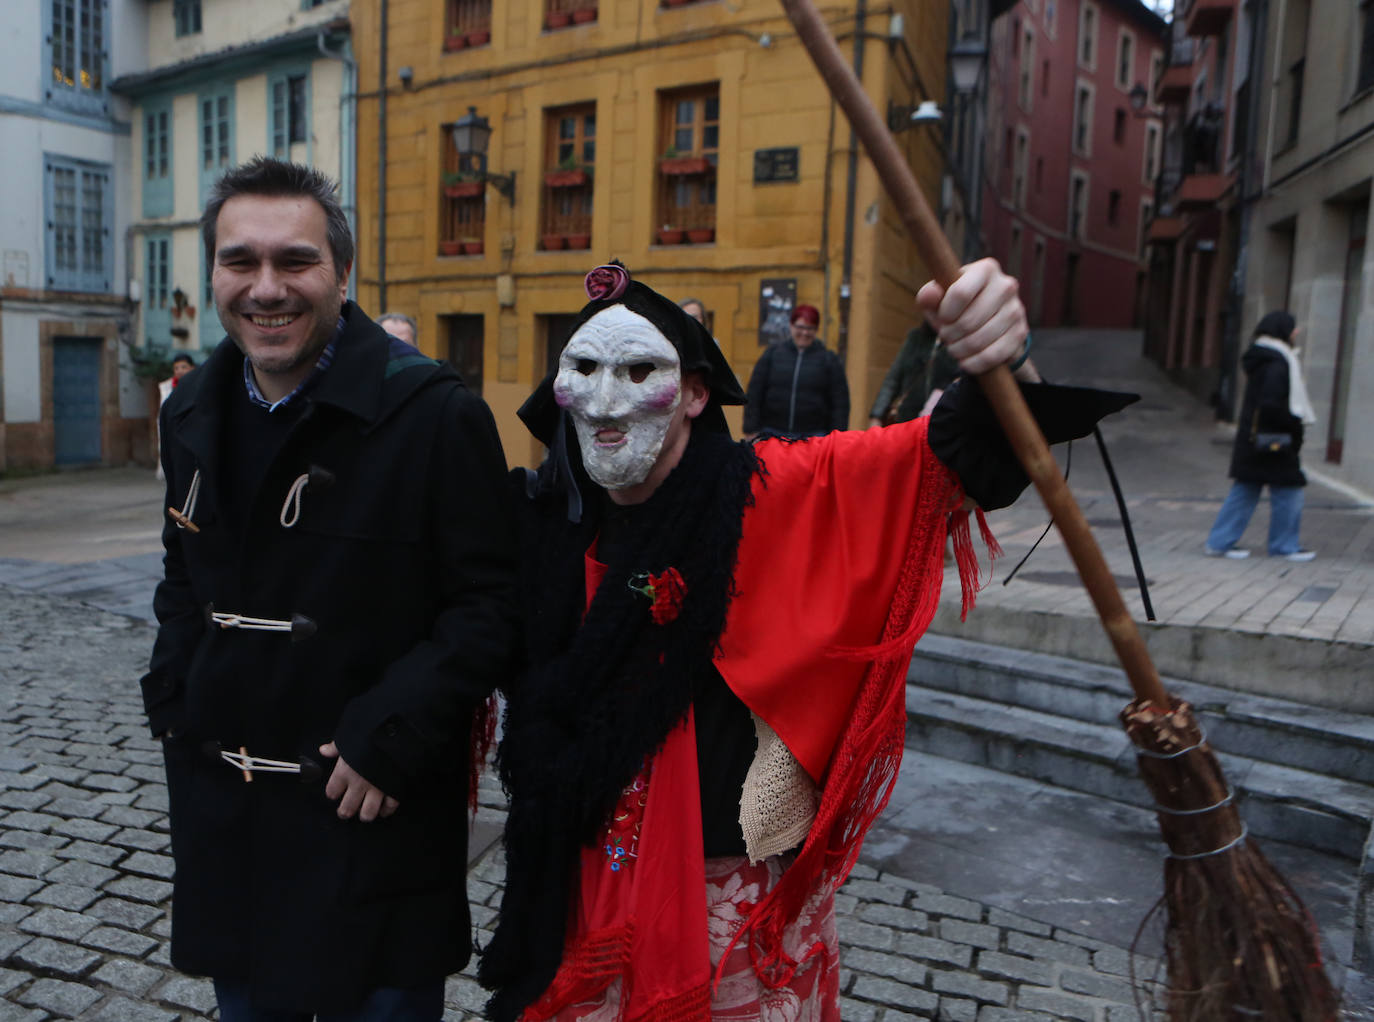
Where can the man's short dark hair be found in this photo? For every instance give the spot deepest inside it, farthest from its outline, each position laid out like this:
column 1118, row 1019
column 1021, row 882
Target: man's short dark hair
column 262, row 175
column 181, row 356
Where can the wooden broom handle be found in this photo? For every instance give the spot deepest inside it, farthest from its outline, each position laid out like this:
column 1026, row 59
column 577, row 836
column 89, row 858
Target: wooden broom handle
column 1002, row 392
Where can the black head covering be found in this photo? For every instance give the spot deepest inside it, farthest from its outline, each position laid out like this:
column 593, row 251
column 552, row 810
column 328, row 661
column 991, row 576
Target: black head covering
column 696, row 349
column 1278, row 323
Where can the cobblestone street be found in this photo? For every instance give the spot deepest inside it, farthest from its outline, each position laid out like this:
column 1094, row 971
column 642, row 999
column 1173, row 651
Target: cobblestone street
column 85, row 871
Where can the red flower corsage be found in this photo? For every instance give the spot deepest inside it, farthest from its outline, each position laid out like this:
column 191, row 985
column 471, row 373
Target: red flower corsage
column 667, row 591
column 607, row 282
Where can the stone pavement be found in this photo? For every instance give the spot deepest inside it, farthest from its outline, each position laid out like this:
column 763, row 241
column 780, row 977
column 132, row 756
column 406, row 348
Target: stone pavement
column 85, row 870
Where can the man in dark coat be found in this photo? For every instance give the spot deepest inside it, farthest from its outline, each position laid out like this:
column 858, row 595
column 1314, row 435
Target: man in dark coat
column 798, row 388
column 336, row 606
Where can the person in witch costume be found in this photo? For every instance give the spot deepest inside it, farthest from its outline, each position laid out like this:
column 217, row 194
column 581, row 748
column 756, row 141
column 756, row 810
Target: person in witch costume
column 710, row 712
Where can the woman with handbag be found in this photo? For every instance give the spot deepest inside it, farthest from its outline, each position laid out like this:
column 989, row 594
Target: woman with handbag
column 1268, row 438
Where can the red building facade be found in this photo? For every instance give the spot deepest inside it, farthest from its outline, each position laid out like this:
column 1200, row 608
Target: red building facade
column 1072, row 161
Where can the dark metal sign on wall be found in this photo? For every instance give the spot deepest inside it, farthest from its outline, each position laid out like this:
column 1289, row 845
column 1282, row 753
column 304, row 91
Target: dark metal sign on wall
column 772, row 165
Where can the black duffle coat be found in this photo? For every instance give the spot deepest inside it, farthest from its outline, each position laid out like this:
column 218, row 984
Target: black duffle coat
column 399, row 575
column 1265, row 410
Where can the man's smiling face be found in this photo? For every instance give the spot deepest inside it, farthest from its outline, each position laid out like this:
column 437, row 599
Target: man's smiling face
column 621, row 381
column 277, row 290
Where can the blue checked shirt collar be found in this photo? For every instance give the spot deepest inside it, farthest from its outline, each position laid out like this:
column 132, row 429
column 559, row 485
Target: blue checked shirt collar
column 304, row 387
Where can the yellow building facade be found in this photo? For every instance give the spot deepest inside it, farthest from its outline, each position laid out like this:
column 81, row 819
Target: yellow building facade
column 692, row 140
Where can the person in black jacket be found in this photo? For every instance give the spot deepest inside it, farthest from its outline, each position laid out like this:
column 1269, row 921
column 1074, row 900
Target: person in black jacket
column 338, row 601
column 797, row 389
column 1269, row 436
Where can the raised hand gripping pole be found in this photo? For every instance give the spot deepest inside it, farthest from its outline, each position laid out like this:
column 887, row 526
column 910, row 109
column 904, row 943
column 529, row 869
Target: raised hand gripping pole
column 999, row 386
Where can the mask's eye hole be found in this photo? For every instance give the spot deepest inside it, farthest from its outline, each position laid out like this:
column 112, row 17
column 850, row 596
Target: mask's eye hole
column 585, row 366
column 639, row 372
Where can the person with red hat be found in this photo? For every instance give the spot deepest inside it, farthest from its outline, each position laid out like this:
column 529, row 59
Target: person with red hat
column 798, row 388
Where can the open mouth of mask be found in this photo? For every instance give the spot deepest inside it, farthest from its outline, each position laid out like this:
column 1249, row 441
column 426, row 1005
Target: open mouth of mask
column 621, row 381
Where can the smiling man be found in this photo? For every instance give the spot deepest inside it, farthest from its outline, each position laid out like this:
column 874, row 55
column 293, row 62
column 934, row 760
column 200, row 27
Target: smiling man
column 337, row 605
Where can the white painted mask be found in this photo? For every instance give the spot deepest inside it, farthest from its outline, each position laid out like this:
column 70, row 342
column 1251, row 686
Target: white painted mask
column 621, row 381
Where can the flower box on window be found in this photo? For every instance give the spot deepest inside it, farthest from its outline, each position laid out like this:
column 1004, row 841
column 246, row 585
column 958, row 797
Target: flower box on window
column 701, row 235
column 670, row 235
column 552, row 242
column 684, row 165
column 472, row 246
column 480, row 37
column 455, row 42
column 450, row 248
column 579, row 240
column 462, row 189
column 557, row 19
column 566, row 178
column 584, row 14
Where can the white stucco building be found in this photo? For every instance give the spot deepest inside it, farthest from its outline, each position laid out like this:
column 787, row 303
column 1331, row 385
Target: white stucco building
column 67, row 395
column 225, row 80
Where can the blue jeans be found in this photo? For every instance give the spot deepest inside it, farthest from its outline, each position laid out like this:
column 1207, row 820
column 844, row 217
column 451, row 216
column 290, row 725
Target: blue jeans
column 1285, row 517
column 387, row 1004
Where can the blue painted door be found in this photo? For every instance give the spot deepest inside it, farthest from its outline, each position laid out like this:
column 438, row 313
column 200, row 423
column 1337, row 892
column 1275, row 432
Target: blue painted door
column 76, row 399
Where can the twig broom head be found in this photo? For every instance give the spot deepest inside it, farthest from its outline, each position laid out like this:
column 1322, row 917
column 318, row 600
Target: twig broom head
column 1239, row 943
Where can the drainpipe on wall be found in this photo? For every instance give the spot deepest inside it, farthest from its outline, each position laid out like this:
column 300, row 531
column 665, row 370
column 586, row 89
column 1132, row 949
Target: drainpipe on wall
column 850, row 190
column 348, row 184
column 1227, row 385
column 381, row 165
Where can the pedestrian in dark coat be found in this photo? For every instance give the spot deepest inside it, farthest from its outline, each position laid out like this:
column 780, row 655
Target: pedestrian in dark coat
column 338, row 598
column 798, row 388
column 1269, row 436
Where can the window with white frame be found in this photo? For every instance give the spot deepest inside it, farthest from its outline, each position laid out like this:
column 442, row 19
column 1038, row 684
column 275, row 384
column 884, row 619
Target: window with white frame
column 1147, row 213
column 1083, row 119
column 1156, row 69
column 216, row 146
column 157, row 291
column 1078, row 205
column 1125, row 59
column 288, row 99
column 1087, row 36
column 186, row 16
column 157, row 157
column 1051, row 12
column 1151, row 168
column 76, row 45
column 78, row 255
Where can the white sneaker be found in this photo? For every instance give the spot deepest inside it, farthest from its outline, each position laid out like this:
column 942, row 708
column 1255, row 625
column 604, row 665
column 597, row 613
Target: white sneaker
column 1300, row 555
column 1235, row 553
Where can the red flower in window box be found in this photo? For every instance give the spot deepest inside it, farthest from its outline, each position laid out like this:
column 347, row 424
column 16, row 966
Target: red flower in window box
column 455, row 42
column 667, row 590
column 701, row 235
column 565, row 178
column 552, row 242
column 450, row 248
column 670, row 235
column 472, row 247
column 479, row 37
column 584, row 14
column 557, row 19
column 463, row 189
column 579, row 240
column 684, row 165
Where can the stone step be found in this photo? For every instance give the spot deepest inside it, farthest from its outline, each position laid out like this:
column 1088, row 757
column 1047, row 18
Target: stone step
column 1272, row 730
column 1299, row 806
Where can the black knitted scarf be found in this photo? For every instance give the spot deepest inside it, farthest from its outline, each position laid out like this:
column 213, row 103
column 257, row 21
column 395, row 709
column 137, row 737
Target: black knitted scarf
column 599, row 694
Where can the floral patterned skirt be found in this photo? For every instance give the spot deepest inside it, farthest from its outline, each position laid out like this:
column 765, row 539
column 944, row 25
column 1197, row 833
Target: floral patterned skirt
column 733, row 887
